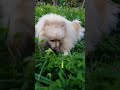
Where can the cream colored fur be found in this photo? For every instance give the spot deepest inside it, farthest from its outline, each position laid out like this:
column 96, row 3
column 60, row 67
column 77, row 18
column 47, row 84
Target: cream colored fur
column 51, row 27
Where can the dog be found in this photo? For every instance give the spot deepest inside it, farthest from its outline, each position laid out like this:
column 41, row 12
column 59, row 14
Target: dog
column 60, row 33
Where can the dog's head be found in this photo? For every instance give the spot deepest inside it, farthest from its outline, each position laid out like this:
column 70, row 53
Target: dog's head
column 54, row 31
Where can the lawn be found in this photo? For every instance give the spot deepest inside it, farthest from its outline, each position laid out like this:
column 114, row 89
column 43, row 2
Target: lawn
column 55, row 71
column 103, row 72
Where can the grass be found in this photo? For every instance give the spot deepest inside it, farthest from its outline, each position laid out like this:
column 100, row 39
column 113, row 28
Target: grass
column 58, row 72
column 15, row 73
column 104, row 70
column 69, row 13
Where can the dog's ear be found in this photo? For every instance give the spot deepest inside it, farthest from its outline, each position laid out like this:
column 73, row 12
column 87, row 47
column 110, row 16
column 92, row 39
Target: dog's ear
column 76, row 25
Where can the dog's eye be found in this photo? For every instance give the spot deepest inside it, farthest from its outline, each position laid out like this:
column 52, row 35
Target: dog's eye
column 52, row 40
column 59, row 41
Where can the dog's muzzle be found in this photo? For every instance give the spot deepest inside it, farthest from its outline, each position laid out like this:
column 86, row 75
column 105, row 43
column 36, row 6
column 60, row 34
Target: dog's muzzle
column 56, row 50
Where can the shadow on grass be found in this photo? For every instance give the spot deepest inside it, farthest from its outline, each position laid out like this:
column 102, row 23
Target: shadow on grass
column 103, row 70
column 16, row 73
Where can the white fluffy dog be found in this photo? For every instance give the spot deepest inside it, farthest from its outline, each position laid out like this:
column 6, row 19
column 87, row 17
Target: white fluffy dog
column 59, row 32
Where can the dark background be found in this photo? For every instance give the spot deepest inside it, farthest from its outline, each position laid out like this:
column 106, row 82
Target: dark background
column 16, row 44
column 103, row 63
column 17, row 48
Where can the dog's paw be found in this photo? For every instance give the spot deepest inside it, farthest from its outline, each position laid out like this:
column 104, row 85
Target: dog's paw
column 66, row 53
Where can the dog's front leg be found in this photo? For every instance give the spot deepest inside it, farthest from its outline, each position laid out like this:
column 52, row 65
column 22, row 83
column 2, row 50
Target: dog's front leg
column 65, row 51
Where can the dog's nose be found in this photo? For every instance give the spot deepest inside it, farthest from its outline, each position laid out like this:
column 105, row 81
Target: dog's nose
column 57, row 49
